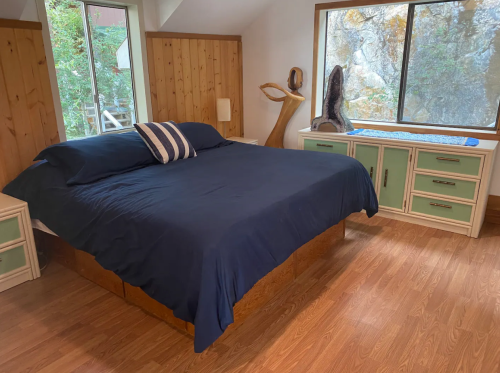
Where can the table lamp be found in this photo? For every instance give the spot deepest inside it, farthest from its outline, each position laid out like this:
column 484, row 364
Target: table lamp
column 224, row 111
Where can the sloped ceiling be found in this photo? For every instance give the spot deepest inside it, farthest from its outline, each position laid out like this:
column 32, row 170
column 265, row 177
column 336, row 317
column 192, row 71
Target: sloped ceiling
column 225, row 17
column 12, row 9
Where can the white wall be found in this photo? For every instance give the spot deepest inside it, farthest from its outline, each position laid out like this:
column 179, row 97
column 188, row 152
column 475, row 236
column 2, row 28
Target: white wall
column 11, row 9
column 281, row 38
column 226, row 17
column 30, row 12
column 150, row 15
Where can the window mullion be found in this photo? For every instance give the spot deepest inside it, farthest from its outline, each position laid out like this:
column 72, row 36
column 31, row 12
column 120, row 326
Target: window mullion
column 406, row 58
column 93, row 77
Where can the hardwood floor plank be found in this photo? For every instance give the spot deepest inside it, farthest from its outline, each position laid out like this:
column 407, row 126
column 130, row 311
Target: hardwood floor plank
column 392, row 297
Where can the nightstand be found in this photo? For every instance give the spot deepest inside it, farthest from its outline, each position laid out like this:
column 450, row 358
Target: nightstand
column 18, row 259
column 244, row 140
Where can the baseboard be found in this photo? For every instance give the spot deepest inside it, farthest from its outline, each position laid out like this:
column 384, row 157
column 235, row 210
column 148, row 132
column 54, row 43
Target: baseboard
column 432, row 223
column 493, row 210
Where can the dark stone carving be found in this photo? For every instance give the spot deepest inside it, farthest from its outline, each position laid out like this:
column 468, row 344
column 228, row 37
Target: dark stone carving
column 333, row 118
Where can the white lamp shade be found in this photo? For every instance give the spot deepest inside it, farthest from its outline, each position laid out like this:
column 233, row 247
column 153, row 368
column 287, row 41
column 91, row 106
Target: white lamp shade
column 223, row 109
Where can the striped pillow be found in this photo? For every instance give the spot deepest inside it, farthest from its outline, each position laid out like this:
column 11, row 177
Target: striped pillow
column 166, row 141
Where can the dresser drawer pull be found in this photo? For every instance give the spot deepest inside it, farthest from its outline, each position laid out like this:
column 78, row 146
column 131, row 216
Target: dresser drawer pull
column 439, row 205
column 448, row 159
column 443, row 182
column 371, row 173
column 325, row 145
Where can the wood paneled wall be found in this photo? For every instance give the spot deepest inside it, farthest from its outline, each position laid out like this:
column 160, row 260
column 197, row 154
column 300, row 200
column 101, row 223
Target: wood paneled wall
column 188, row 72
column 27, row 117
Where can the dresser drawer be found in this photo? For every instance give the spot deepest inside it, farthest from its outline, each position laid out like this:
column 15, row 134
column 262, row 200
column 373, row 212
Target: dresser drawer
column 11, row 230
column 449, row 163
column 445, row 186
column 443, row 209
column 13, row 258
column 324, row 146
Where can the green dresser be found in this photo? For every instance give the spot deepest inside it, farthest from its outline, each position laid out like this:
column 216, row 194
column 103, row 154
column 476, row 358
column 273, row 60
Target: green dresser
column 393, row 177
column 18, row 257
column 435, row 185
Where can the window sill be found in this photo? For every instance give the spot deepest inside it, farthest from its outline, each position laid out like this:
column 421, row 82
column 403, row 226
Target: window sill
column 392, row 127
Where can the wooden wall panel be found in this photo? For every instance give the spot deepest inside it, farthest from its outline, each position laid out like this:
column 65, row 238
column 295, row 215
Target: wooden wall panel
column 27, row 115
column 187, row 74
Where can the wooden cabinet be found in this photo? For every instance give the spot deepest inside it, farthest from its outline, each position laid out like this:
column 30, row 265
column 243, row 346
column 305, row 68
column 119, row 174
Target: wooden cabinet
column 18, row 259
column 441, row 186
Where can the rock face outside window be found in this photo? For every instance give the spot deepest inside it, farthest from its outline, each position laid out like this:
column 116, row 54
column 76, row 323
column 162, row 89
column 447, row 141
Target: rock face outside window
column 453, row 73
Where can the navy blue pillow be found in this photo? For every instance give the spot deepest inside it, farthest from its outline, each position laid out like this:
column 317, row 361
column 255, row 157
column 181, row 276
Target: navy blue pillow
column 85, row 161
column 202, row 136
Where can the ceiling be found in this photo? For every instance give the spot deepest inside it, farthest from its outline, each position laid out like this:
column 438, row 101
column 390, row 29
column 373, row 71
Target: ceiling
column 226, row 17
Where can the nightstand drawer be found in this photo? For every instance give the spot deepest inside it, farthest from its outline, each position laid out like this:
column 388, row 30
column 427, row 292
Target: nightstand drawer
column 12, row 258
column 449, row 163
column 438, row 208
column 445, row 186
column 11, row 230
column 336, row 147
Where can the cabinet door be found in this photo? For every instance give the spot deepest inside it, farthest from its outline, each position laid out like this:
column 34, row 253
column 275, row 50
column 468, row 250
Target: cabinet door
column 368, row 155
column 393, row 177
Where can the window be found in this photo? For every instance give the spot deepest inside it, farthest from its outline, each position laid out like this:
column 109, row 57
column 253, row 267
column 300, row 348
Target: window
column 429, row 63
column 91, row 50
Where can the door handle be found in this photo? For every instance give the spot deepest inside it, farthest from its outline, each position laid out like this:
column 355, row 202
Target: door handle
column 439, row 205
column 443, row 182
column 371, row 173
column 447, row 159
column 385, row 179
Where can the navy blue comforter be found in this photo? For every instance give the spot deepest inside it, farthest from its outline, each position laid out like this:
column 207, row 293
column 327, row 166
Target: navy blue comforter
column 197, row 234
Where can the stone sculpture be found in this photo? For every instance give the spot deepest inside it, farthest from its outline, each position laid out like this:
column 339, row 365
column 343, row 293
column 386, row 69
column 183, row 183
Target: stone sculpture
column 333, row 118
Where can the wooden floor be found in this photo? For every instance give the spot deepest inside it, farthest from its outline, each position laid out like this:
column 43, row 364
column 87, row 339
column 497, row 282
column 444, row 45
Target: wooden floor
column 394, row 297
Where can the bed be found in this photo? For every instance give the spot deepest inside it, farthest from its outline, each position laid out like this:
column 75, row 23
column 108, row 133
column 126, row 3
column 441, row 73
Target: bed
column 187, row 240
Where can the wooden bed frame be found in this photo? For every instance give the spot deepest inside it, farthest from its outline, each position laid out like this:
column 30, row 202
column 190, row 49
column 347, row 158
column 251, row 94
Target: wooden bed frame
column 84, row 264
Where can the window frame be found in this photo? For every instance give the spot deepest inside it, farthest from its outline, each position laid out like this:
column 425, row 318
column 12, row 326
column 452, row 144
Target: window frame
column 319, row 62
column 138, row 54
column 90, row 50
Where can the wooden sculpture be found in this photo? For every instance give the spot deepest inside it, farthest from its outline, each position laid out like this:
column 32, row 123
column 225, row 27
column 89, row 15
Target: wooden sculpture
column 291, row 102
column 333, row 118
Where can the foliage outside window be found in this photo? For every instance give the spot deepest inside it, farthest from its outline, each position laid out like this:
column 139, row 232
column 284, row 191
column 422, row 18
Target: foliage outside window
column 435, row 63
column 94, row 75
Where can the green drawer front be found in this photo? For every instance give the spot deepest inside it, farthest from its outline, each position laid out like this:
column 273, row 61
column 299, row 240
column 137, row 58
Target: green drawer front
column 458, row 164
column 445, row 186
column 368, row 156
column 449, row 210
column 9, row 230
column 12, row 259
column 395, row 164
column 326, row 146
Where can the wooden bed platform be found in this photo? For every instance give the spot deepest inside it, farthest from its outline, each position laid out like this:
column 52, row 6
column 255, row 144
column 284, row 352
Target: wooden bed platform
column 84, row 264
